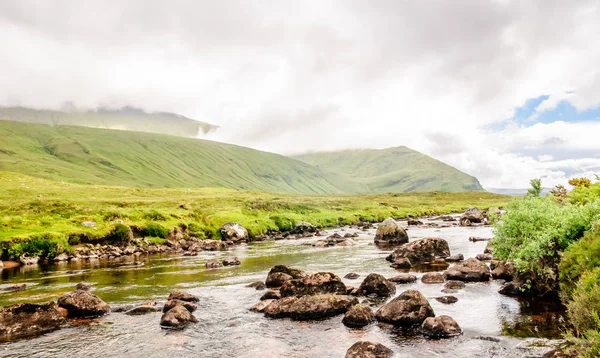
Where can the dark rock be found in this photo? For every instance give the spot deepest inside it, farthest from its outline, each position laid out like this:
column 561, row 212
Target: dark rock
column 440, row 327
column 403, row 278
column 25, row 320
column 232, row 261
column 280, row 308
column 471, row 270
column 454, row 285
column 488, row 249
column 513, row 289
column 409, row 309
column 16, row 287
column 177, row 317
column 476, row 239
column 141, row 310
column 81, row 303
column 258, row 285
column 414, row 222
column 455, row 258
column 182, row 296
column 475, row 215
column 213, row 264
column 303, row 227
column 121, row 308
column 504, row 271
column 276, row 279
column 390, row 233
column 484, row 257
column 376, row 284
column 190, row 306
column 358, row 316
column 271, row 295
column 447, row 299
column 321, row 306
column 401, row 263
column 83, row 286
column 294, row 272
column 317, row 283
column 369, row 350
column 234, row 232
column 260, row 307
column 427, row 249
column 352, row 276
column 432, row 277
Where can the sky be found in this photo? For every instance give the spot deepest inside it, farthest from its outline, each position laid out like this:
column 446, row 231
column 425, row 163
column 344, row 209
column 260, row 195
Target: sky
column 503, row 90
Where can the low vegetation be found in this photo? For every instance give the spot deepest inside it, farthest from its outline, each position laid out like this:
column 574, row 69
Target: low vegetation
column 36, row 209
column 554, row 242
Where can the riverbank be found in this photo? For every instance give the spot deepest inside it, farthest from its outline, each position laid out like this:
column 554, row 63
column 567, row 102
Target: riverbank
column 54, row 216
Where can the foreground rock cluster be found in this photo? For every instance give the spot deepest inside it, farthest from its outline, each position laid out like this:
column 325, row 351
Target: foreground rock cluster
column 177, row 311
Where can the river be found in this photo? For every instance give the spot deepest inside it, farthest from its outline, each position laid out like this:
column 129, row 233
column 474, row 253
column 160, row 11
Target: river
column 493, row 325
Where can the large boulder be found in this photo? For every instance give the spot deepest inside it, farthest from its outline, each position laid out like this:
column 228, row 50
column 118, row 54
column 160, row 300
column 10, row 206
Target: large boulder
column 321, row 306
column 407, row 310
column 358, row 316
column 28, row 260
column 303, row 227
column 366, row 349
column 503, row 270
column 471, row 270
column 232, row 261
column 280, row 308
column 390, row 233
column 234, row 232
column 376, row 284
column 177, row 318
column 260, row 306
column 82, row 303
column 25, row 320
column 475, row 215
column 213, row 264
column 271, row 295
column 440, row 327
column 276, row 279
column 403, row 278
column 432, row 277
column 316, row 283
column 427, row 249
column 190, row 306
column 294, row 272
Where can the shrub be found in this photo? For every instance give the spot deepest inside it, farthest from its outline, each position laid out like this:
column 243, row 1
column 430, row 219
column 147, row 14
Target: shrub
column 119, row 235
column 582, row 256
column 156, row 240
column 283, row 222
column 154, row 216
column 46, row 245
column 156, row 230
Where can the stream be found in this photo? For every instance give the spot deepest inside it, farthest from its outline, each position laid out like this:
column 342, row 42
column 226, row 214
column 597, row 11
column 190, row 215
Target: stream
column 493, row 325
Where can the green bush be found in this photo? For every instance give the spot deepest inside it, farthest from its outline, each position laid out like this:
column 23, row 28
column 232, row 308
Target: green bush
column 283, row 222
column 579, row 258
column 156, row 240
column 119, row 235
column 155, row 216
column 46, row 245
column 156, row 230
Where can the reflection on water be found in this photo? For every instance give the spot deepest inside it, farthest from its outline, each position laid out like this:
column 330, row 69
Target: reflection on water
column 227, row 328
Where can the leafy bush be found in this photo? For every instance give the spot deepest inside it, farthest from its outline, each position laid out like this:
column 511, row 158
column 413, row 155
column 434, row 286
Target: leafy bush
column 579, row 258
column 119, row 235
column 46, row 245
column 155, row 216
column 156, row 230
column 283, row 222
column 156, row 240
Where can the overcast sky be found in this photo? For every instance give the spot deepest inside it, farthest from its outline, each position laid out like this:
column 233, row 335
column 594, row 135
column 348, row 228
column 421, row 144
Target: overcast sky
column 503, row 90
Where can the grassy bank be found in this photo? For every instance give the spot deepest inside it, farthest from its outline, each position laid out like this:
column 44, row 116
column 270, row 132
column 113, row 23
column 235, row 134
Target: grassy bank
column 39, row 210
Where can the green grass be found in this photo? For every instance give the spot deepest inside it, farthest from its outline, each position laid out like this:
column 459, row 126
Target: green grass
column 32, row 207
column 124, row 158
column 398, row 169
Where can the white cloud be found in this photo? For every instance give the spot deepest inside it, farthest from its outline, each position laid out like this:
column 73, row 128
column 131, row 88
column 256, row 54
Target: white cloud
column 291, row 77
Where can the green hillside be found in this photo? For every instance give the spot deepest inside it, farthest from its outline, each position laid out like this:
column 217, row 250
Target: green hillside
column 112, row 157
column 399, row 169
column 127, row 118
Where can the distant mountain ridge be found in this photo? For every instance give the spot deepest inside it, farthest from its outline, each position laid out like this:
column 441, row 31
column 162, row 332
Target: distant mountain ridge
column 398, row 169
column 126, row 118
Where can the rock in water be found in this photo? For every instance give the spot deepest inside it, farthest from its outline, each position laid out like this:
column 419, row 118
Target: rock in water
column 277, row 279
column 232, row 261
column 484, row 257
column 447, row 299
column 182, row 296
column 271, row 295
column 369, row 350
column 358, row 316
column 190, row 306
column 258, row 285
column 504, row 271
column 280, row 308
column 260, row 307
column 234, row 232
column 426, row 249
column 440, row 327
column 141, row 310
column 377, row 284
column 281, row 273
column 454, row 285
column 177, row 318
column 401, row 263
column 81, row 303
column 302, row 227
column 432, row 277
column 390, row 233
column 25, row 320
column 83, row 286
column 321, row 306
column 29, row 260
column 352, row 276
column 455, row 258
column 317, row 283
column 471, row 270
column 407, row 310
column 403, row 278
column 213, row 264
column 475, row 215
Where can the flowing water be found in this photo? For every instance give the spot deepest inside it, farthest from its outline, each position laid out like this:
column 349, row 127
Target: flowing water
column 493, row 325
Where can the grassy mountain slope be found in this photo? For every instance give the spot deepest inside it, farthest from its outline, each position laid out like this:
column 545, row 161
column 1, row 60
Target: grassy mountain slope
column 134, row 159
column 399, row 169
column 127, row 118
